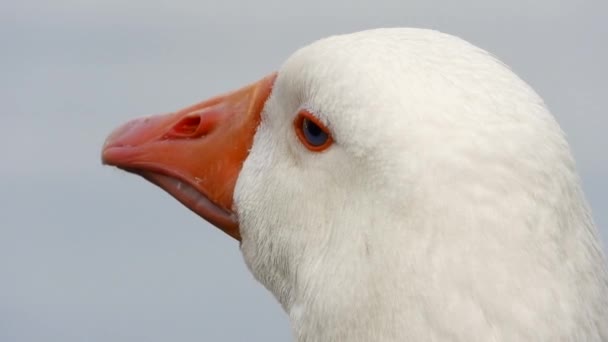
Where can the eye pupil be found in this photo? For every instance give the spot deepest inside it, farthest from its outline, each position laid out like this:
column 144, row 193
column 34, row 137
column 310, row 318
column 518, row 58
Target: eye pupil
column 314, row 134
column 312, row 128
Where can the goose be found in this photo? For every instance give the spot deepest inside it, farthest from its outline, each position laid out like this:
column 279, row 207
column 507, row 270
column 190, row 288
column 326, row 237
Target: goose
column 390, row 185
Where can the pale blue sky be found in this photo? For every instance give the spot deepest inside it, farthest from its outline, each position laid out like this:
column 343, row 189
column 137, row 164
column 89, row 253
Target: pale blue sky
column 88, row 253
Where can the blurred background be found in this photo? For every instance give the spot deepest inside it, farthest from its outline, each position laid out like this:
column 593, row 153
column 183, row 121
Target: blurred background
column 88, row 253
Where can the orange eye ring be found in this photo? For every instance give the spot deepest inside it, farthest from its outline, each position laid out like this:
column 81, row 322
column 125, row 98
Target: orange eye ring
column 313, row 134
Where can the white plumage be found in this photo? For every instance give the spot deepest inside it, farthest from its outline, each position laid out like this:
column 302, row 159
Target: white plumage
column 448, row 208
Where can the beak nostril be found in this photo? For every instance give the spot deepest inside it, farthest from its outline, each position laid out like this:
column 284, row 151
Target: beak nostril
column 188, row 125
column 192, row 126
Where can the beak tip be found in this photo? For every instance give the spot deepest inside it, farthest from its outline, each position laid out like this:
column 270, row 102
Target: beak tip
column 118, row 143
column 109, row 145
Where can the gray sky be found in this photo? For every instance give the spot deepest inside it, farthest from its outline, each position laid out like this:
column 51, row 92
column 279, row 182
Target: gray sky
column 88, row 253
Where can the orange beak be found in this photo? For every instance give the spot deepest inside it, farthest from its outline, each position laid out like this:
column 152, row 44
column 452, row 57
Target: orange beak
column 195, row 154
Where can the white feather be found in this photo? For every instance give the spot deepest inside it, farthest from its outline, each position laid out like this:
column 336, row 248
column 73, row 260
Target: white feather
column 448, row 208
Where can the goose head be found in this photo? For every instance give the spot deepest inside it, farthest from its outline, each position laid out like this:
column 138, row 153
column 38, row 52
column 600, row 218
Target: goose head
column 390, row 184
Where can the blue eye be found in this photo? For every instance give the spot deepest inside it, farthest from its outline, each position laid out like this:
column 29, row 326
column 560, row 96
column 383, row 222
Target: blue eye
column 312, row 133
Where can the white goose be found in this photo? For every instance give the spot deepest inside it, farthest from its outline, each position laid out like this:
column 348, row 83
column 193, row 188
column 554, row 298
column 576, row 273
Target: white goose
column 391, row 185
